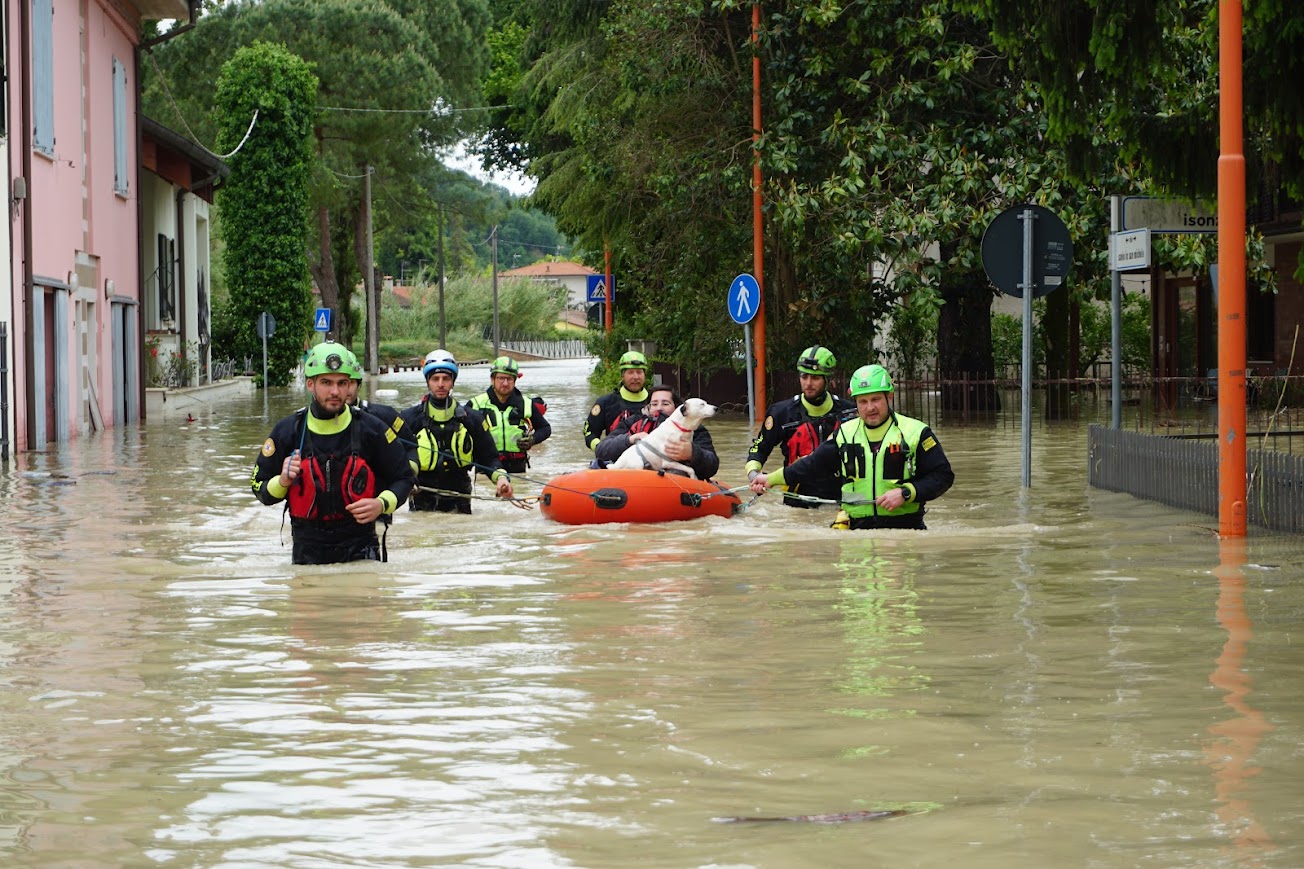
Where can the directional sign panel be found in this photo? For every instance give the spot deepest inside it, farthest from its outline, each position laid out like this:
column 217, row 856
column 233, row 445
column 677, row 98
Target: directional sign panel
column 598, row 290
column 321, row 321
column 1169, row 216
column 744, row 298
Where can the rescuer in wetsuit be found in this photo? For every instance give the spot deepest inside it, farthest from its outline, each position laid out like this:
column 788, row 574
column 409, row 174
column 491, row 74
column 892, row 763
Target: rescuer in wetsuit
column 889, row 463
column 387, row 414
column 799, row 424
column 515, row 422
column 339, row 471
column 616, row 406
column 451, row 441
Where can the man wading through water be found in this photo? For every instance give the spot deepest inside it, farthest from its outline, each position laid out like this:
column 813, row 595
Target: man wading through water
column 338, row 470
column 888, row 463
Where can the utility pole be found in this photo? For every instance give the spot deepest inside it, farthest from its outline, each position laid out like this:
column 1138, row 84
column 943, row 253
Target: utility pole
column 494, row 238
column 758, row 215
column 443, row 342
column 369, row 275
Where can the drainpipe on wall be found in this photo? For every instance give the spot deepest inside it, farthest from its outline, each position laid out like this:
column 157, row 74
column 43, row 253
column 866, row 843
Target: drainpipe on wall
column 179, row 282
column 24, row 142
column 140, row 208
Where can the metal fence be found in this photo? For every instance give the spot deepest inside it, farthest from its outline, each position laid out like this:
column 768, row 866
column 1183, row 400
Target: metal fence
column 568, row 349
column 1157, row 405
column 1182, row 472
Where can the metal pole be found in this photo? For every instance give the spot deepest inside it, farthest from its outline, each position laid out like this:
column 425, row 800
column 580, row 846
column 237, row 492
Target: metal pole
column 264, row 369
column 758, row 225
column 751, row 385
column 608, row 313
column 1115, row 318
column 443, row 342
column 494, row 237
column 373, row 306
column 1028, row 216
column 1231, row 276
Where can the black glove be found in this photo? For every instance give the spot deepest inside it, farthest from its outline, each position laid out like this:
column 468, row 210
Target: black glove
column 525, row 441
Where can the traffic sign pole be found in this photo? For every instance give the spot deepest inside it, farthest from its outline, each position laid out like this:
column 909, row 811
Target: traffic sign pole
column 1028, row 216
column 751, row 385
column 1115, row 322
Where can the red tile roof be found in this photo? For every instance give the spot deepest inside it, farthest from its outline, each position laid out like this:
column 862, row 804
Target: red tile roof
column 550, row 270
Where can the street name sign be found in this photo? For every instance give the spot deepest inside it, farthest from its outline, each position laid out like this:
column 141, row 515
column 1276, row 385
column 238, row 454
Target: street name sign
column 1169, row 216
column 1130, row 250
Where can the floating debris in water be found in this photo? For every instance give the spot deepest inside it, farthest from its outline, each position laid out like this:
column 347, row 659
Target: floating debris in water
column 831, row 818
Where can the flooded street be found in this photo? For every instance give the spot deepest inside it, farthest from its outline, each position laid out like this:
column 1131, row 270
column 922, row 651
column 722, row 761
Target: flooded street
column 1059, row 677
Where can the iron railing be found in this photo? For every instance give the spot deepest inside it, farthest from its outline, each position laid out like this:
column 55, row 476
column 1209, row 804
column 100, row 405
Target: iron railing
column 1182, row 472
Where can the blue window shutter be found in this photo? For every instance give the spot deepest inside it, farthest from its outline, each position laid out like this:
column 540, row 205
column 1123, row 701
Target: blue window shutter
column 120, row 166
column 43, row 75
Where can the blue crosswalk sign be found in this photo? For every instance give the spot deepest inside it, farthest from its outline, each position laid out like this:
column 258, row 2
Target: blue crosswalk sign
column 322, row 321
column 597, row 289
column 744, row 298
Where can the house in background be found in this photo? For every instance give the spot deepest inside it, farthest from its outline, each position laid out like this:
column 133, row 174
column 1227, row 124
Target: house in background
column 176, row 191
column 75, row 332
column 573, row 276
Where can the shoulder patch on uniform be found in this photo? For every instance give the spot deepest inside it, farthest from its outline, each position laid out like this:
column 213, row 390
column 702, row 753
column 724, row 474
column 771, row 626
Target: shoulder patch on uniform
column 269, row 448
column 769, row 423
column 596, row 409
column 484, row 424
column 390, row 435
column 929, row 443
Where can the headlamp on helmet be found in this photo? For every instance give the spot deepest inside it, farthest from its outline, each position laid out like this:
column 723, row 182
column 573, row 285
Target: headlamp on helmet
column 633, row 359
column 326, row 358
column 869, row 379
column 817, row 360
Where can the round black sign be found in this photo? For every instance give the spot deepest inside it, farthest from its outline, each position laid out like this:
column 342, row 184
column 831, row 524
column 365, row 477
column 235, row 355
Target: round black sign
column 1052, row 251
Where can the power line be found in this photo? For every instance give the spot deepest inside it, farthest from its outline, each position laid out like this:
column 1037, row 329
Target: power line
column 430, row 111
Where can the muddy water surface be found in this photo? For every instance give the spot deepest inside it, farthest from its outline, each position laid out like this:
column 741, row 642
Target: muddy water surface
column 1062, row 677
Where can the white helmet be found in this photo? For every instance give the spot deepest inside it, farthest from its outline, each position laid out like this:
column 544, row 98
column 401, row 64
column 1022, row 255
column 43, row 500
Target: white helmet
column 439, row 360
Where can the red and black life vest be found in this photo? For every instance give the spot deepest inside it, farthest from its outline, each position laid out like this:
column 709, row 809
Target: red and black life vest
column 808, row 433
column 329, row 482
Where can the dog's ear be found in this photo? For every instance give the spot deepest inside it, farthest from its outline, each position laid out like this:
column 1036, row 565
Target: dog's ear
column 683, row 409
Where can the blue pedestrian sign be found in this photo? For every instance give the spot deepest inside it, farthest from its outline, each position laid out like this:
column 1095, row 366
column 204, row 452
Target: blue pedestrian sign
column 322, row 321
column 598, row 291
column 744, row 298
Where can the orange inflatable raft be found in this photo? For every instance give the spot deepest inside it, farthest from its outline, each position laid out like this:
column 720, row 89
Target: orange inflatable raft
column 596, row 496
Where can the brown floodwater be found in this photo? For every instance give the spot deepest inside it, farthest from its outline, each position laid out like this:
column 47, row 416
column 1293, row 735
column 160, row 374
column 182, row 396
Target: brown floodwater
column 1060, row 676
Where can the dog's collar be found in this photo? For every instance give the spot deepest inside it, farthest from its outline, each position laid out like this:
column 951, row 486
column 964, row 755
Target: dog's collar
column 678, row 426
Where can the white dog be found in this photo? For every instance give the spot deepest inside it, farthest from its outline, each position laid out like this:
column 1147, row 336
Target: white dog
column 649, row 452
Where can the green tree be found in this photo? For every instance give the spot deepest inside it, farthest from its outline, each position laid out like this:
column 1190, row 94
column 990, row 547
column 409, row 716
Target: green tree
column 264, row 201
column 1140, row 79
column 391, row 76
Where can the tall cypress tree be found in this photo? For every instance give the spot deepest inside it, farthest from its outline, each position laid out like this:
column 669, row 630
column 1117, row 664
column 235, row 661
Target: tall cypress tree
column 265, row 201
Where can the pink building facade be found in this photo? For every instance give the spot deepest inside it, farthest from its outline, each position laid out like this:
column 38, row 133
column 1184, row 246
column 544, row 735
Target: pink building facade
column 75, row 320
